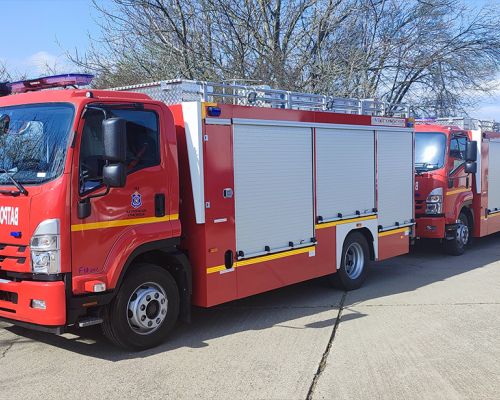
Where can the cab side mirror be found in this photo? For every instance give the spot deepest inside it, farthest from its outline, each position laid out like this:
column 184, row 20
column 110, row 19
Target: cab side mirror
column 114, row 173
column 114, row 132
column 471, row 151
column 470, row 167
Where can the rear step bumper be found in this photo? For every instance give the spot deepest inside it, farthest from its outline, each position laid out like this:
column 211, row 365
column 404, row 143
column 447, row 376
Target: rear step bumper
column 16, row 303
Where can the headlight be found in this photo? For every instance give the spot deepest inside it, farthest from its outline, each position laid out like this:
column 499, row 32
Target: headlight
column 45, row 251
column 434, row 202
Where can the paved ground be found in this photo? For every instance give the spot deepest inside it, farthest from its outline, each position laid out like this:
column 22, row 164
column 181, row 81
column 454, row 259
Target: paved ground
column 425, row 326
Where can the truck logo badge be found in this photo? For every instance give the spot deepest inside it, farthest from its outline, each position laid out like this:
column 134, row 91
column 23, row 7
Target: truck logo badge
column 9, row 216
column 136, row 200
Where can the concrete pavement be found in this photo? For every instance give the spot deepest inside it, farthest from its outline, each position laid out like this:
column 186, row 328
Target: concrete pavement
column 425, row 326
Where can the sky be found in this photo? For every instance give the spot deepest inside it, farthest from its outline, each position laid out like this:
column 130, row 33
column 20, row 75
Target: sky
column 35, row 33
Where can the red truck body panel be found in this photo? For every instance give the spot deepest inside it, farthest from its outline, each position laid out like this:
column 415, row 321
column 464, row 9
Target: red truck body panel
column 97, row 248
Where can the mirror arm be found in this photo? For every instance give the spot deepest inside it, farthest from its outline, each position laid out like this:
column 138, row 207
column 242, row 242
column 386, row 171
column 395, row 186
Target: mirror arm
column 102, row 194
column 84, row 209
column 97, row 108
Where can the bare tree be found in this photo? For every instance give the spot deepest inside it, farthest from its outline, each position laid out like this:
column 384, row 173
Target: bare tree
column 436, row 54
column 5, row 76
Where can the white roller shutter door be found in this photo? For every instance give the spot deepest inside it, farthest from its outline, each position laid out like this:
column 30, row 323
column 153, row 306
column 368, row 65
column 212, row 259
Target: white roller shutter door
column 273, row 187
column 494, row 176
column 345, row 172
column 395, row 177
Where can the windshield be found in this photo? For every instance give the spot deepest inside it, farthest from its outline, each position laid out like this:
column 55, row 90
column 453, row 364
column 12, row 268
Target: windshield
column 429, row 150
column 33, row 141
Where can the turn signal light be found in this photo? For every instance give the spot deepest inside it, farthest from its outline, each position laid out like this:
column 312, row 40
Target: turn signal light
column 95, row 286
column 38, row 304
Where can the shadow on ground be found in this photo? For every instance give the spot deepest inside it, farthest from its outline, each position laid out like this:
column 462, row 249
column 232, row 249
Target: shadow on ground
column 426, row 264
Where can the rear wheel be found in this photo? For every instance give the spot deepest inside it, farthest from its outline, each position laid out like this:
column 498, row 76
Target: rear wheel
column 457, row 244
column 354, row 263
column 145, row 309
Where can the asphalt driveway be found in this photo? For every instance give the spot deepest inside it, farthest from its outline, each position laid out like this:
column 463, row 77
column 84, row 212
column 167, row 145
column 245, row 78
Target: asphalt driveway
column 425, row 326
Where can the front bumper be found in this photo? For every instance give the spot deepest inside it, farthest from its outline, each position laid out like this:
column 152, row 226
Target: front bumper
column 430, row 227
column 16, row 298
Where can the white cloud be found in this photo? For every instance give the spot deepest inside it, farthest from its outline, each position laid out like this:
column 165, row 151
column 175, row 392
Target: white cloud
column 488, row 111
column 489, row 107
column 37, row 64
column 42, row 60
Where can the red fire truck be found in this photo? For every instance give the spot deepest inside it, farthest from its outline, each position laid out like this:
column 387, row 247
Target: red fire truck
column 124, row 207
column 457, row 183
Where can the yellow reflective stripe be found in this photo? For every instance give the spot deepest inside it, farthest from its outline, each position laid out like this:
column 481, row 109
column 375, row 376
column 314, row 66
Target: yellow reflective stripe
column 122, row 222
column 262, row 259
column 450, row 192
column 495, row 214
column 218, row 268
column 394, row 231
column 344, row 221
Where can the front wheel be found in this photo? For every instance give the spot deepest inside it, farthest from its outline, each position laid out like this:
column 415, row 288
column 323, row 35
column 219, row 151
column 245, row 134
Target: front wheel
column 354, row 263
column 145, row 309
column 456, row 245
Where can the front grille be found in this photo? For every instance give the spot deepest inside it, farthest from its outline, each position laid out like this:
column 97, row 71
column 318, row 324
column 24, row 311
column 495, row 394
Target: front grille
column 8, row 296
column 14, row 257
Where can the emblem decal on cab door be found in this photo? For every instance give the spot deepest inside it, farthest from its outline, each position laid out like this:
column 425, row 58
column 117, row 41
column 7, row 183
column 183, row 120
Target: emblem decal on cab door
column 136, row 200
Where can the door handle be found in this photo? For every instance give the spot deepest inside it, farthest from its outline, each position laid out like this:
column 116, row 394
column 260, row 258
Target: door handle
column 159, row 204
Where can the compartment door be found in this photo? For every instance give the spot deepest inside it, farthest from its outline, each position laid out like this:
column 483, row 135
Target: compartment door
column 273, row 188
column 494, row 176
column 345, row 172
column 395, row 177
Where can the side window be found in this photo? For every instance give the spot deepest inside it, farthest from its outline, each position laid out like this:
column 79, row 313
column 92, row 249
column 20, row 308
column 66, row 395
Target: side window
column 91, row 151
column 457, row 151
column 143, row 148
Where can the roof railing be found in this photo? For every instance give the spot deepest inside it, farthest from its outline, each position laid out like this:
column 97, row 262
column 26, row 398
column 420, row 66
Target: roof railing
column 179, row 90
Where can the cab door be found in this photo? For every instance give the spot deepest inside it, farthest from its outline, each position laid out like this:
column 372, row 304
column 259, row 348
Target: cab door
column 459, row 183
column 124, row 218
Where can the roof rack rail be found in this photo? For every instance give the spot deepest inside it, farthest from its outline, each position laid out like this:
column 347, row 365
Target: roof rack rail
column 179, row 90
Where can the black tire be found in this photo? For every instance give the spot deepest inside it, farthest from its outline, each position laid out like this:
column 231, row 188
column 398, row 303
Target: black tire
column 456, row 246
column 345, row 277
column 118, row 326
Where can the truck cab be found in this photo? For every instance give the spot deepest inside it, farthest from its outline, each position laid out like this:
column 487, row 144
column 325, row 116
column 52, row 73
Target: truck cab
column 88, row 188
column 444, row 166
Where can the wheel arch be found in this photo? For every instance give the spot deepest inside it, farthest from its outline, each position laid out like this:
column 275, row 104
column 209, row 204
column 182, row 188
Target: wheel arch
column 369, row 240
column 165, row 254
column 369, row 230
column 466, row 208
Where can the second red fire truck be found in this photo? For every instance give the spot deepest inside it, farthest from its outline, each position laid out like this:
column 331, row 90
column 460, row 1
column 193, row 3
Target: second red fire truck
column 457, row 183
column 125, row 208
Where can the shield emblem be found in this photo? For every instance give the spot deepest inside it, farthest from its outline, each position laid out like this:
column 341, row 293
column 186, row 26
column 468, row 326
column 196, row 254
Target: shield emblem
column 136, row 200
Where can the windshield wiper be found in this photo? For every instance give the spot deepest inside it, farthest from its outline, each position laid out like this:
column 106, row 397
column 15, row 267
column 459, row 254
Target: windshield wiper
column 18, row 185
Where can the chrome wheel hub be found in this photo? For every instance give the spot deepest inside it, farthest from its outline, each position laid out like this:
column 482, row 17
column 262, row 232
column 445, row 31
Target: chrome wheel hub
column 354, row 260
column 147, row 308
column 463, row 234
